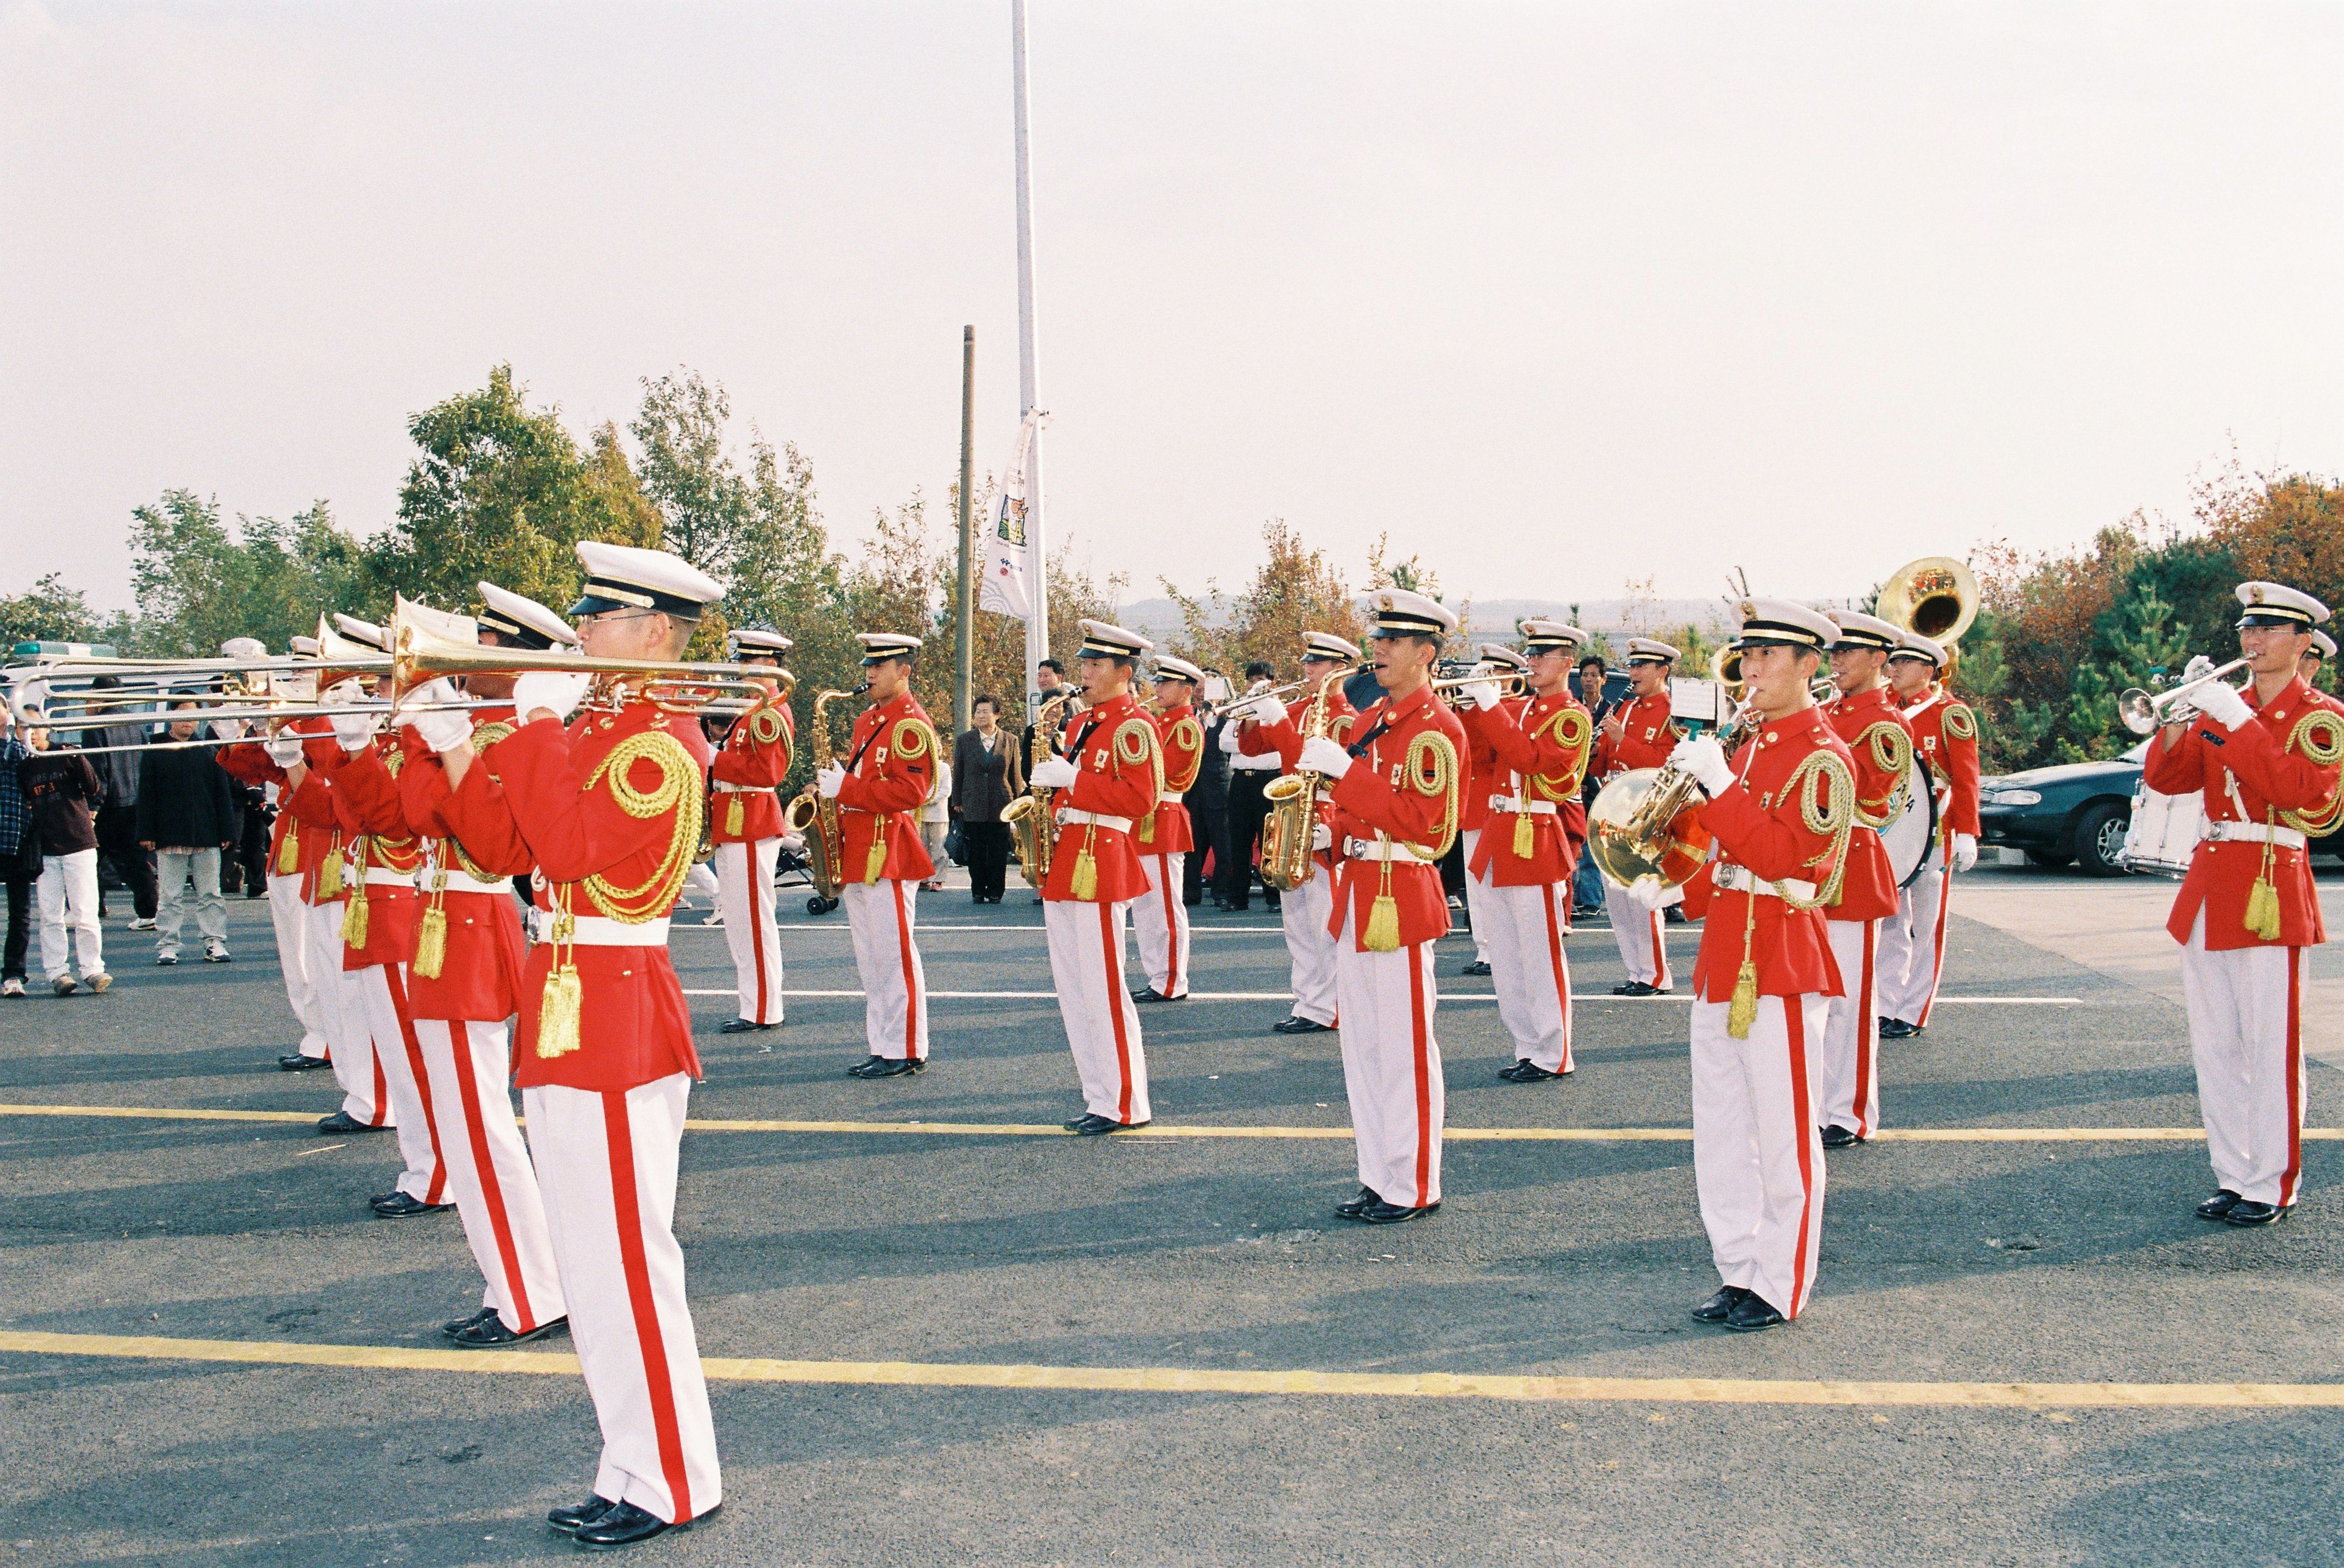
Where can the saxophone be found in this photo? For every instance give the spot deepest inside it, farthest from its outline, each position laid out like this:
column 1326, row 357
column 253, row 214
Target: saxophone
column 816, row 818
column 1286, row 862
column 1031, row 821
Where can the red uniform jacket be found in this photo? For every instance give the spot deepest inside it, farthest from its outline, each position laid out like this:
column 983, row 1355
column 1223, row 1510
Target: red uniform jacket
column 891, row 770
column 1181, row 739
column 1284, row 737
column 480, row 974
column 1404, row 786
column 611, row 837
column 249, row 760
column 1539, row 746
column 754, row 758
column 2258, row 775
column 1760, row 823
column 362, row 793
column 1649, row 737
column 1481, row 775
column 1881, row 743
column 1121, row 772
column 1946, row 728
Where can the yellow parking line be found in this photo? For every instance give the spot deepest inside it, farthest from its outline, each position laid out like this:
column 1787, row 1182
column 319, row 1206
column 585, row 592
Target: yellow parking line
column 166, row 1113
column 1210, row 1381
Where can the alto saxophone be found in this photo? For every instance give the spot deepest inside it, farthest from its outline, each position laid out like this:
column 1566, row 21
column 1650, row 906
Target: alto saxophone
column 815, row 817
column 1286, row 862
column 1031, row 821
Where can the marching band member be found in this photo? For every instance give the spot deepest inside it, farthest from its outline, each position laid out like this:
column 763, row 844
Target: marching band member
column 889, row 774
column 1865, row 717
column 1912, row 940
column 1480, row 766
column 1306, row 912
column 1781, row 810
column 611, row 811
column 1522, row 864
column 1395, row 795
column 1108, row 778
column 1639, row 734
column 2266, row 759
column 1159, row 918
column 467, row 981
column 2322, row 649
column 745, row 826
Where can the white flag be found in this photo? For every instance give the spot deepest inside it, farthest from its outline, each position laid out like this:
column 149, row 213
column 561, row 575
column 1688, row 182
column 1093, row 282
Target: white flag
column 1004, row 590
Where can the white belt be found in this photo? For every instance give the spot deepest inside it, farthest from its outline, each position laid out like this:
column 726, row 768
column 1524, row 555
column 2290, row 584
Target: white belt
column 2254, row 833
column 383, row 876
column 1742, row 879
column 1171, row 796
column 723, row 788
column 1385, row 849
column 595, row 931
column 1069, row 817
column 1514, row 804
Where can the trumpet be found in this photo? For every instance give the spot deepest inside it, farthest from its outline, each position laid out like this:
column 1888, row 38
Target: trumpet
column 1208, row 712
column 1509, row 683
column 420, row 654
column 2145, row 712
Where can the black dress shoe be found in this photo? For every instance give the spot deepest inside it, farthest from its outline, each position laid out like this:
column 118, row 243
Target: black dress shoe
column 1367, row 1198
column 888, row 1068
column 2218, row 1206
column 400, row 1205
column 1478, row 966
column 1150, row 993
column 492, row 1332
column 1382, row 1213
column 1298, row 1024
column 1089, row 1125
column 743, row 1027
column 569, row 1520
column 625, row 1524
column 1634, row 988
column 454, row 1326
column 342, row 1121
column 295, row 1062
column 1753, row 1312
column 1527, row 1072
column 1720, row 1307
column 866, row 1066
column 1897, row 1029
column 1840, row 1136
column 2247, row 1212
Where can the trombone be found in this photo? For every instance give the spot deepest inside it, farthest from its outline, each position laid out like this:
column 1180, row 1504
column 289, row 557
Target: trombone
column 2145, row 712
column 420, row 654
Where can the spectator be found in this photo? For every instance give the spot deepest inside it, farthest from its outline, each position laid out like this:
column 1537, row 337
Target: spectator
column 1208, row 803
column 187, row 816
column 1246, row 807
column 1586, row 882
column 117, row 816
column 247, row 865
column 981, row 769
column 62, row 795
column 935, row 823
column 20, row 853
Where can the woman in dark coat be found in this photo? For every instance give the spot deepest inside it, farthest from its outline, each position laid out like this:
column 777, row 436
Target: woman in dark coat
column 981, row 771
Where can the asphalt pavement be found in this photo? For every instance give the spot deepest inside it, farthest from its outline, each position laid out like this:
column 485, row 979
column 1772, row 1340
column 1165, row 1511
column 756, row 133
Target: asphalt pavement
column 866, row 1298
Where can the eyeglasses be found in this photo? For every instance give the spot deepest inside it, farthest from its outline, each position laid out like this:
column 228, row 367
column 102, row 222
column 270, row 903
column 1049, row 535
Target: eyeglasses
column 610, row 617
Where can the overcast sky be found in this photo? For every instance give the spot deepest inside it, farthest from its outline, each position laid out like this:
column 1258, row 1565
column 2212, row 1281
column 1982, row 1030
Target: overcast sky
column 1558, row 295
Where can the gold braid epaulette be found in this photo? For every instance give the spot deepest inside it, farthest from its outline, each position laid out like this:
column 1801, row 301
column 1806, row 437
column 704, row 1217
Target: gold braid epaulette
column 679, row 790
column 1834, row 818
column 1960, row 723
column 1892, row 754
column 1431, row 768
column 2320, row 736
column 914, row 738
column 1135, row 743
column 1190, row 736
column 1575, row 731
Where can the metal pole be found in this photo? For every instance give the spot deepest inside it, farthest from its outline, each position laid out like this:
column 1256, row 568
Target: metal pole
column 965, row 635
column 1038, row 553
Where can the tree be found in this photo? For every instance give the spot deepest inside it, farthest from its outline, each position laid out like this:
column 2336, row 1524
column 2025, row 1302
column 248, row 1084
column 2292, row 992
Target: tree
column 1295, row 589
column 704, row 501
column 51, row 612
column 198, row 581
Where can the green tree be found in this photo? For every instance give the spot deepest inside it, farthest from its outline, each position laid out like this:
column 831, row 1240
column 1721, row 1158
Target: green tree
column 52, row 613
column 704, row 500
column 199, row 580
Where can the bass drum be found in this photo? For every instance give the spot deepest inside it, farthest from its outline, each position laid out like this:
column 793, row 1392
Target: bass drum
column 1911, row 833
column 2164, row 834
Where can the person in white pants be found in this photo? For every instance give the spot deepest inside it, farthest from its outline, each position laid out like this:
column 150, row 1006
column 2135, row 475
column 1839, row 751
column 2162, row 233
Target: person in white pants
column 61, row 796
column 1639, row 734
column 1912, row 940
column 287, row 909
column 745, row 828
column 69, row 895
column 1159, row 917
column 1481, row 766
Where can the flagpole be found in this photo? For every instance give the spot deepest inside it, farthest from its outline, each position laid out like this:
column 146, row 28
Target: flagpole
column 1038, row 559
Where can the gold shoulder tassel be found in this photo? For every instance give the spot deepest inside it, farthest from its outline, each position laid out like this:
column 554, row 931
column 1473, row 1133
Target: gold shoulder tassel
column 288, row 853
column 877, row 861
column 432, row 931
column 1382, row 934
column 1147, row 829
column 329, row 870
column 2262, row 899
column 565, row 997
column 1082, row 882
column 1525, row 839
column 736, row 813
column 355, row 924
column 1742, row 1011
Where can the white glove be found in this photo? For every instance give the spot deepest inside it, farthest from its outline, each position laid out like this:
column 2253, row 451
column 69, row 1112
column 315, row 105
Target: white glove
column 284, row 751
column 443, row 732
column 1321, row 836
column 1965, row 851
column 1259, row 710
column 356, row 731
column 228, row 729
column 1482, row 694
column 795, row 843
column 1230, row 741
column 558, row 692
column 2220, row 701
column 829, row 781
column 1054, row 773
column 342, row 692
column 1705, row 759
column 1325, row 757
column 2200, row 665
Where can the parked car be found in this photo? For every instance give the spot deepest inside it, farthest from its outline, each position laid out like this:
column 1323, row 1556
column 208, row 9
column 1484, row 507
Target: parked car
column 2072, row 815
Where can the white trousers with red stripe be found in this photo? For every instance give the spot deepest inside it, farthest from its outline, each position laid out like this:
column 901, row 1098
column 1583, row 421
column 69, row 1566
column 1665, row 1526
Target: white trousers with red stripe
column 744, row 892
column 2245, row 1037
column 1095, row 1003
column 882, row 915
column 1639, row 931
column 341, row 1014
column 607, row 1160
column 1160, row 920
column 490, row 1177
column 1757, row 1151
column 1304, row 912
column 1528, row 968
column 1912, row 945
column 1848, row 1067
column 1476, row 896
column 399, row 1056
column 1391, row 1067
column 289, row 914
